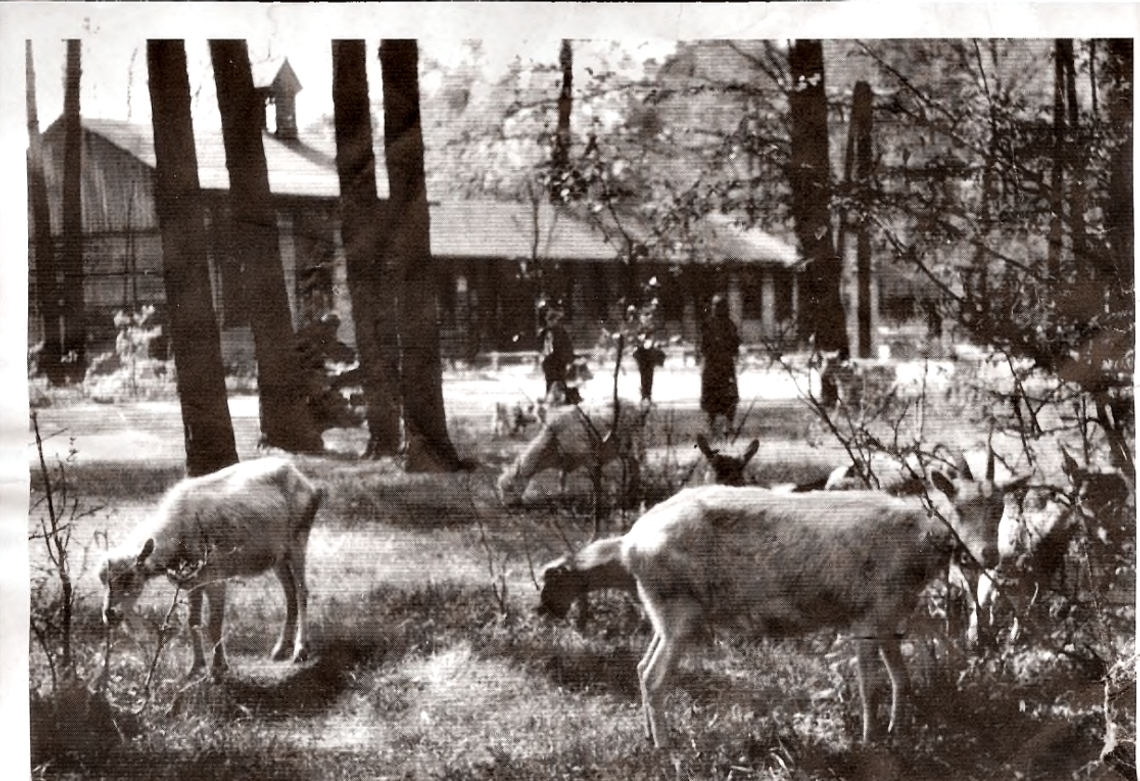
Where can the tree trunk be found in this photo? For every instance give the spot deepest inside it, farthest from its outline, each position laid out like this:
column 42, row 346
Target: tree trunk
column 561, row 186
column 286, row 421
column 1057, row 176
column 46, row 280
column 408, row 249
column 371, row 287
column 860, row 151
column 75, row 326
column 1075, row 154
column 1118, row 210
column 809, row 176
column 206, row 423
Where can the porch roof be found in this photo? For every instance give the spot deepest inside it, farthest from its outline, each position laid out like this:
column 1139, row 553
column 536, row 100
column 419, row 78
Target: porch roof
column 498, row 229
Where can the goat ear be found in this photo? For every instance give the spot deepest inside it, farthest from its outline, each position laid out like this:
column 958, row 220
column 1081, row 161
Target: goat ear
column 943, row 484
column 147, row 549
column 703, row 444
column 751, row 451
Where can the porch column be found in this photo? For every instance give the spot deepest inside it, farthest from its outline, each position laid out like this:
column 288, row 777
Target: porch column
column 768, row 303
column 735, row 298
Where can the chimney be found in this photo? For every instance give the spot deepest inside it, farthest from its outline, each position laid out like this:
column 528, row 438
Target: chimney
column 277, row 84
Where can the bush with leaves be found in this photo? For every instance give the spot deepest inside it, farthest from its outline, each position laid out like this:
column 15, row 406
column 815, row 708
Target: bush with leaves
column 129, row 372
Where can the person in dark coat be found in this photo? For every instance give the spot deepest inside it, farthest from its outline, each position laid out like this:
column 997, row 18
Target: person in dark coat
column 720, row 345
column 557, row 353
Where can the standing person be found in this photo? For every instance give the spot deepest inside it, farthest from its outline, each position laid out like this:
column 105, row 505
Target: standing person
column 720, row 344
column 557, row 353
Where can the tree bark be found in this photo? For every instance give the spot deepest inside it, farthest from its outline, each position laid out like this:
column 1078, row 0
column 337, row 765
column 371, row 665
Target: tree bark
column 809, row 176
column 286, row 421
column 370, row 285
column 408, row 249
column 1119, row 216
column 74, row 325
column 862, row 132
column 562, row 189
column 206, row 424
column 1057, row 175
column 1075, row 153
column 47, row 290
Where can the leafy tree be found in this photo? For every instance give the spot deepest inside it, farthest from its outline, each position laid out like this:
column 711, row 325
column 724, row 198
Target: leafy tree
column 286, row 420
column 370, row 280
column 408, row 251
column 970, row 198
column 197, row 346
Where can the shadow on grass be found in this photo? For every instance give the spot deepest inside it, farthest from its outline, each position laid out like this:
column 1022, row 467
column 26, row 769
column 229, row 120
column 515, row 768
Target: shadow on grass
column 137, row 481
column 313, row 687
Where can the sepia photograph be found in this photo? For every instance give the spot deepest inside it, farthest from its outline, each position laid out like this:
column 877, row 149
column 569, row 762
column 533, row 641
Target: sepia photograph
column 569, row 391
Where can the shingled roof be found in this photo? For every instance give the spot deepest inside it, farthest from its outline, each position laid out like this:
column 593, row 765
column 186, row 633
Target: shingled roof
column 306, row 168
column 298, row 167
column 496, row 229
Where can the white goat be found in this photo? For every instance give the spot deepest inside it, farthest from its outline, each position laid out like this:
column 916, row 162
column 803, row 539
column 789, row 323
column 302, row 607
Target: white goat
column 882, row 472
column 573, row 437
column 725, row 469
column 791, row 563
column 239, row 521
column 903, row 477
column 1037, row 528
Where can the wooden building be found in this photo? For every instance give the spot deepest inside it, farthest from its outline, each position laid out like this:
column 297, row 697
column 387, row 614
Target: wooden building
column 488, row 251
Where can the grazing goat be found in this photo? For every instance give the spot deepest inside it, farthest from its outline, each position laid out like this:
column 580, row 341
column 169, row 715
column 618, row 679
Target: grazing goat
column 726, row 470
column 573, row 437
column 242, row 520
column 791, row 563
column 594, row 566
column 512, row 419
column 882, row 472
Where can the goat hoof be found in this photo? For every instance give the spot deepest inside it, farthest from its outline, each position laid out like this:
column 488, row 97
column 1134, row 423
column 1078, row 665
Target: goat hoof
column 301, row 655
column 280, row 653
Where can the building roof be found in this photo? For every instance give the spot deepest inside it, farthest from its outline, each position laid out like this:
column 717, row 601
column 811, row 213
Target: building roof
column 716, row 238
column 729, row 239
column 299, row 167
column 306, row 167
column 497, row 229
column 275, row 75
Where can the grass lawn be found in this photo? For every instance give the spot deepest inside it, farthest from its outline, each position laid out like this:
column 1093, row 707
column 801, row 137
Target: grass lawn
column 430, row 661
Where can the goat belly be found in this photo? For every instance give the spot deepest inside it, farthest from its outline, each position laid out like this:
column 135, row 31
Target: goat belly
column 784, row 563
